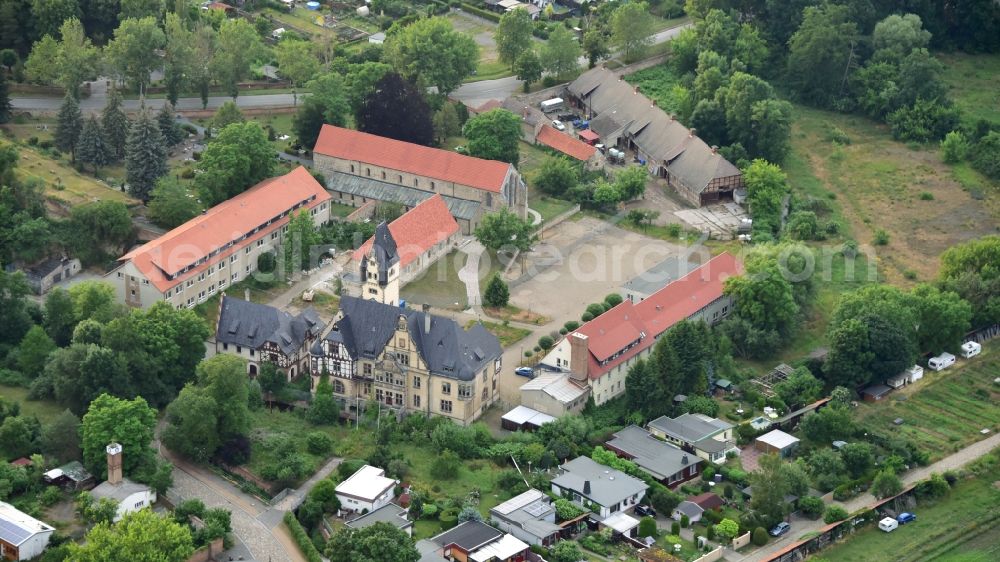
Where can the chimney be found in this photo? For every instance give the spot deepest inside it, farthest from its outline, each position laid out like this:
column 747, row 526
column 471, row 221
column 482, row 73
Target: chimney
column 692, row 132
column 578, row 360
column 427, row 318
column 684, row 460
column 586, row 487
column 114, row 451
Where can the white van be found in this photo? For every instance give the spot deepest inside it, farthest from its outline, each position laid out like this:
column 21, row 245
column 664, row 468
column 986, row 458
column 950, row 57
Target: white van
column 888, row 524
column 941, row 362
column 551, row 105
column 971, row 349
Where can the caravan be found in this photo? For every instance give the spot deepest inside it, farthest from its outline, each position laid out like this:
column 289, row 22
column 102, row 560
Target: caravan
column 971, row 349
column 888, row 524
column 941, row 362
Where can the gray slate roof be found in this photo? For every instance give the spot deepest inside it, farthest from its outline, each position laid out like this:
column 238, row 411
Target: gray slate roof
column 689, row 428
column 383, row 251
column 118, row 492
column 406, row 196
column 656, row 457
column 429, row 551
column 469, row 535
column 389, row 513
column 366, row 326
column 659, row 276
column 249, row 324
column 607, row 485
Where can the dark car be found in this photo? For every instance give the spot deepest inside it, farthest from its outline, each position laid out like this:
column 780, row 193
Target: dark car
column 525, row 372
column 645, row 511
column 906, row 517
column 780, row 529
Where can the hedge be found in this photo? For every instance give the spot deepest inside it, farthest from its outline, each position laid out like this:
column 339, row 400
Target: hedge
column 492, row 16
column 302, row 538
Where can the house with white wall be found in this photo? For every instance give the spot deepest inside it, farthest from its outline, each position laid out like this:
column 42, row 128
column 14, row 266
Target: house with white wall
column 366, row 490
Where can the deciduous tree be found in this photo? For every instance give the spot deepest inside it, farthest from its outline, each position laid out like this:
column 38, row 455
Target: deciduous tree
column 494, row 135
column 513, row 36
column 109, row 420
column 61, row 437
column 143, row 536
column 528, row 68
column 237, row 46
column 238, row 158
column 171, row 204
column 133, row 52
column 396, row 109
column 631, row 28
column 224, row 378
column 561, row 52
column 431, row 53
column 556, row 175
column 296, row 61
column 192, row 424
column 819, row 52
column 33, row 351
column 179, row 62
column 380, row 542
column 505, row 229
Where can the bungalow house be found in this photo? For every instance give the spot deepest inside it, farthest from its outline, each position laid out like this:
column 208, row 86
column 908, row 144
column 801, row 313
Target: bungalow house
column 707, row 437
column 554, row 394
column 525, row 419
column 130, row 496
column 663, row 461
column 875, row 393
column 22, row 537
column 366, row 490
column 473, row 541
column 71, row 477
column 263, row 334
column 529, row 516
column 389, row 513
column 708, row 501
column 597, row 487
column 690, row 509
column 777, row 442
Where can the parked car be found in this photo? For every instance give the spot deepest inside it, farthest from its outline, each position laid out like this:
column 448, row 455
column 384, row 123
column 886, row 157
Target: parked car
column 645, row 511
column 558, row 125
column 581, row 124
column 780, row 529
column 525, row 372
column 567, row 117
column 906, row 517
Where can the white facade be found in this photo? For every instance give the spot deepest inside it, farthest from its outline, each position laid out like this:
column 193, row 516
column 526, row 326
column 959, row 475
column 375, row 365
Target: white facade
column 134, row 502
column 366, row 490
column 22, row 537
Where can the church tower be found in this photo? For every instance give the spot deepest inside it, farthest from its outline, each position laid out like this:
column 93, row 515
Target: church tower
column 380, row 269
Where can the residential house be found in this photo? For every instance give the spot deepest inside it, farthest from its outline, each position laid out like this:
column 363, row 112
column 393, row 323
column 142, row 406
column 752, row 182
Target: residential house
column 705, row 436
column 366, row 490
column 473, row 541
column 600, row 353
column 523, row 418
column 663, row 461
column 263, row 334
column 624, row 118
column 71, row 477
column 408, row 360
column 875, row 393
column 708, row 501
column 360, row 167
column 599, row 488
column 22, row 537
column 530, row 517
column 555, row 394
column 647, row 283
column 412, row 243
column 778, row 442
column 219, row 247
column 532, row 118
column 389, row 513
column 44, row 275
column 687, row 509
column 130, row 496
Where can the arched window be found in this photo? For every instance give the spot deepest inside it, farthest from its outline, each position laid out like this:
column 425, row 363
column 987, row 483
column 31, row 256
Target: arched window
column 253, row 370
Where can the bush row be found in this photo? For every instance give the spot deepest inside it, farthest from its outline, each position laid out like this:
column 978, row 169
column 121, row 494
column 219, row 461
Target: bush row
column 302, row 538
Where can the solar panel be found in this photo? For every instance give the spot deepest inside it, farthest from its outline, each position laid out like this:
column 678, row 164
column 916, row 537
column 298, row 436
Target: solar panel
column 12, row 533
column 537, row 509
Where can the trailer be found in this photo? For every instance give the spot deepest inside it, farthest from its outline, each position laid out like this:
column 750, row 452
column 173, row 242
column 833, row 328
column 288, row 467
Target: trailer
column 551, row 105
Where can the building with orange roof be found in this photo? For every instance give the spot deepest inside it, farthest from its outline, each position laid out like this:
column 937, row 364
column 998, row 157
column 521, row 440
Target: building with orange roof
column 574, row 148
column 220, row 247
column 600, row 353
column 402, row 250
column 361, row 167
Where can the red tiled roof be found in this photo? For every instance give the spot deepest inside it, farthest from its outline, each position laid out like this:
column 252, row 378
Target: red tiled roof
column 565, row 143
column 435, row 163
column 612, row 331
column 418, row 230
column 224, row 223
column 707, row 500
column 589, row 135
column 21, row 462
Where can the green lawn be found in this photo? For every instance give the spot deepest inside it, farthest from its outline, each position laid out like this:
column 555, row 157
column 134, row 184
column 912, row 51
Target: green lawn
column 945, row 411
column 549, row 207
column 961, row 527
column 489, row 70
column 473, row 475
column 440, row 286
column 44, row 410
column 974, row 81
column 508, row 335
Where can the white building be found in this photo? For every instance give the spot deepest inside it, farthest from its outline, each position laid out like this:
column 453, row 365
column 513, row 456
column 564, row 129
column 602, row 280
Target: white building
column 602, row 489
column 366, row 490
column 22, row 537
column 130, row 496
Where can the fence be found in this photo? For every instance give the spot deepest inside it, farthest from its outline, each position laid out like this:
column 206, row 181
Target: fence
column 207, row 552
column 740, row 542
column 984, row 334
column 713, row 556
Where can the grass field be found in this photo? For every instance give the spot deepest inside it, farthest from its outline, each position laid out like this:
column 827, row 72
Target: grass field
column 508, row 335
column 440, row 286
column 961, row 527
column 549, row 207
column 473, row 476
column 975, row 84
column 945, row 411
column 44, row 410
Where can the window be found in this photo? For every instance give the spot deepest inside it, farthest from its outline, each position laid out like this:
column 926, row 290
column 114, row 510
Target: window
column 169, row 293
column 232, row 258
column 352, row 168
column 416, row 182
column 446, row 406
column 368, row 368
column 400, row 178
column 251, row 352
column 446, row 388
column 484, row 374
column 239, row 349
column 403, row 358
column 484, row 394
column 247, row 250
column 465, row 391
column 432, row 186
column 260, row 242
column 402, row 342
column 416, row 401
column 383, row 175
column 211, row 270
column 416, row 382
column 225, row 347
column 368, row 172
column 119, row 274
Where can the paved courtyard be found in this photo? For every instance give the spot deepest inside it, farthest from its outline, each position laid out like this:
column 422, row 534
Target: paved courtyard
column 721, row 219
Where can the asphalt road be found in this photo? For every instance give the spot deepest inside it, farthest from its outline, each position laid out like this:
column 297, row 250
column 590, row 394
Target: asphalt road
column 96, row 103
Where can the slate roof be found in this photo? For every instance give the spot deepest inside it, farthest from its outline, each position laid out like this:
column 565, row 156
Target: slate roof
column 415, row 232
column 607, row 485
column 468, row 536
column 389, row 513
column 690, row 428
column 444, row 165
column 383, row 251
column 449, row 351
column 369, row 188
column 653, row 455
column 249, row 324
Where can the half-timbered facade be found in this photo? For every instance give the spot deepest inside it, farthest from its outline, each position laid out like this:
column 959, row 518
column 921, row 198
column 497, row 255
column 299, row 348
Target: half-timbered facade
column 264, row 334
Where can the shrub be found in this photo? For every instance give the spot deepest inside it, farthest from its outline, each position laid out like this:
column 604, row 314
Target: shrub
column 834, row 513
column 595, row 309
column 613, row 300
column 759, row 537
column 926, row 196
column 708, row 474
column 449, row 516
column 954, row 147
column 586, row 317
column 563, row 331
column 537, row 349
column 545, row 342
column 675, row 528
column 318, row 443
column 881, row 237
column 710, row 533
column 811, row 506
column 836, row 135
column 445, row 466
column 302, row 538
column 571, row 325
column 685, row 521
column 529, row 353
column 647, row 527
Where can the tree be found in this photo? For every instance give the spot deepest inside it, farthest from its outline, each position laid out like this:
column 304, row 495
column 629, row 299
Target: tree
column 595, row 45
column 445, row 466
column 446, row 123
column 561, row 52
column 819, row 52
column 50, row 14
column 92, row 148
column 298, row 242
column 834, row 513
column 380, row 542
column 647, row 527
column 143, row 536
column 827, row 425
column 99, row 228
column 5, row 106
column 430, row 52
column 59, row 320
column 167, row 121
column 764, row 298
column 93, row 300
column 237, row 46
column 17, row 321
column 224, row 378
column 135, row 9
column 145, row 155
column 631, row 28
column 69, row 125
column 987, row 155
column 192, row 425
column 227, row 114
column 966, row 270
column 19, row 435
column 944, row 316
column 513, row 36
column 556, row 175
column 643, row 392
column 858, row 458
column 33, row 351
column 171, row 204
column 297, row 61
column 759, row 537
column 504, row 229
column 67, row 62
column 60, row 438
column 396, row 109
column 954, row 147
column 115, row 124
column 179, row 64
column 631, row 182
column 42, row 65
column 204, row 56
column 238, row 158
column 727, row 529
column 114, row 420
column 327, row 104
column 494, row 135
column 811, row 506
column 496, row 294
column 800, row 388
column 324, row 409
column 770, row 486
column 528, row 68
column 133, row 52
column 360, row 81
column 886, row 484
column 897, row 35
column 568, row 551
